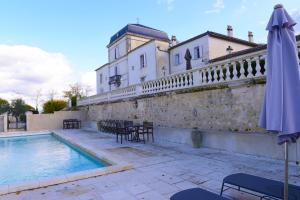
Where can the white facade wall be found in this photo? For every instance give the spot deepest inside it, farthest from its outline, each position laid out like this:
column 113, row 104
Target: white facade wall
column 202, row 43
column 162, row 59
column 121, row 46
column 136, row 73
column 102, row 86
column 119, row 67
column 124, row 58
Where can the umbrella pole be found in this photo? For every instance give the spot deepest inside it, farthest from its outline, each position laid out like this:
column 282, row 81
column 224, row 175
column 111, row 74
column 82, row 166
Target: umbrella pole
column 286, row 171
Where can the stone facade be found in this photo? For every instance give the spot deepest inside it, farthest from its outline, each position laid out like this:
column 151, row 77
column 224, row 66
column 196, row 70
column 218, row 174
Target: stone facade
column 224, row 108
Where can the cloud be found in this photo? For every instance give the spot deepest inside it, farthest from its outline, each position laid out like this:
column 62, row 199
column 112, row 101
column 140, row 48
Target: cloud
column 25, row 70
column 168, row 3
column 217, row 7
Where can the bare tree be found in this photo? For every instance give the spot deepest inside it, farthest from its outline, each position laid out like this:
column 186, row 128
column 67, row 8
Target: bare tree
column 37, row 97
column 52, row 94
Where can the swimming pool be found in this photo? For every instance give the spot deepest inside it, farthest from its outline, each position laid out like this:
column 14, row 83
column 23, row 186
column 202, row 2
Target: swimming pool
column 34, row 157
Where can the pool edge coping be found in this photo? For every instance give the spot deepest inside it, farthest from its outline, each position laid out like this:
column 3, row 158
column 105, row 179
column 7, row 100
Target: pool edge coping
column 116, row 165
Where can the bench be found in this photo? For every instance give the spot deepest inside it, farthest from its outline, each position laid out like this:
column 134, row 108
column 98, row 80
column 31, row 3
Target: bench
column 258, row 186
column 196, row 194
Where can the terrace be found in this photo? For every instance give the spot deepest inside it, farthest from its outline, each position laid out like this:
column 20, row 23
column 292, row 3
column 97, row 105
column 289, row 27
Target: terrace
column 159, row 170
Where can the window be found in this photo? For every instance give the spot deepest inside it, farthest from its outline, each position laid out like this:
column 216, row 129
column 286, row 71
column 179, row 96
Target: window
column 116, row 70
column 100, row 78
column 143, row 79
column 143, row 60
column 132, row 67
column 177, row 59
column 197, row 54
column 116, row 52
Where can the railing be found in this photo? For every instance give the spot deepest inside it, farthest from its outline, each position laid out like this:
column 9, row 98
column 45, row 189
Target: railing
column 240, row 68
column 116, row 79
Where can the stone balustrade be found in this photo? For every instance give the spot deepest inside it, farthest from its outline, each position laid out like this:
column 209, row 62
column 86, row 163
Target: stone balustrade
column 239, row 68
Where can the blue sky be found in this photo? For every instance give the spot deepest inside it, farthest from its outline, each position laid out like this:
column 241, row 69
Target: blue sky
column 79, row 30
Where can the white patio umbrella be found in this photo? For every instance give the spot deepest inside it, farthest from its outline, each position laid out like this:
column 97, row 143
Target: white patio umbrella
column 281, row 108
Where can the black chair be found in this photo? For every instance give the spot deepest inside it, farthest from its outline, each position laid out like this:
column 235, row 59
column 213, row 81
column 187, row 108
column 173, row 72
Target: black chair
column 196, row 194
column 255, row 185
column 123, row 128
column 148, row 129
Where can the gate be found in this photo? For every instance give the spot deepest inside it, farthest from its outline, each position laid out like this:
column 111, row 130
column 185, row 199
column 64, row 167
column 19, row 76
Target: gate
column 14, row 124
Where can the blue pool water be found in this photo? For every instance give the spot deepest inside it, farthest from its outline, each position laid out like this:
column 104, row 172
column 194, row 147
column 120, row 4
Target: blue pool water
column 28, row 158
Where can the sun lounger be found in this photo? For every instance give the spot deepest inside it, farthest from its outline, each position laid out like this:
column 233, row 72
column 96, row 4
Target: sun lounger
column 196, row 194
column 258, row 186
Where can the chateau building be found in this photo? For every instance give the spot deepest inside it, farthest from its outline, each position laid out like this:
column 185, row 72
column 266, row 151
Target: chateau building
column 138, row 53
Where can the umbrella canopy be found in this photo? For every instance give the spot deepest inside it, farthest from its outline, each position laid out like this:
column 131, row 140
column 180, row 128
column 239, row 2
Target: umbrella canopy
column 188, row 58
column 281, row 107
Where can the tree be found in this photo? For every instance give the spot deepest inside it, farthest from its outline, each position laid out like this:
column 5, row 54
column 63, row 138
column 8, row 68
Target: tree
column 4, row 106
column 54, row 105
column 76, row 91
column 18, row 108
column 37, row 100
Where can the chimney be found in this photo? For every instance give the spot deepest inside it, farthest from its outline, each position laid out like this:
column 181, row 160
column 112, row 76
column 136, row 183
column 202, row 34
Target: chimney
column 250, row 36
column 229, row 31
column 173, row 40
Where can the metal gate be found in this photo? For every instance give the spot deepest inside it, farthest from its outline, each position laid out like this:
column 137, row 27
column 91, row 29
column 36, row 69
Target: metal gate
column 15, row 125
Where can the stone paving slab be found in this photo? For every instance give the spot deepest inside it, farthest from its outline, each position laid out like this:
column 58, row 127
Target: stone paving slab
column 159, row 171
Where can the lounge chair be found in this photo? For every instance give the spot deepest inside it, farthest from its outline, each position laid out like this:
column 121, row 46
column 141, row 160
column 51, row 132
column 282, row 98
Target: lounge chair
column 254, row 185
column 196, row 194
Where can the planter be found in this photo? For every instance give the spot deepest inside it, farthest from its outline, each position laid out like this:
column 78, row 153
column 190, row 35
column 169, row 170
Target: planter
column 196, row 137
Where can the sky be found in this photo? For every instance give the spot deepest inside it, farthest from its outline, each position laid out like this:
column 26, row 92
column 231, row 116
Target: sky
column 46, row 45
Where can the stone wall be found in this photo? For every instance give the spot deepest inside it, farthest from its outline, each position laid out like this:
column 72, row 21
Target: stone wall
column 51, row 121
column 226, row 108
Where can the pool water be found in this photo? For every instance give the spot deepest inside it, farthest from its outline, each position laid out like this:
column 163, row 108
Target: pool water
column 28, row 158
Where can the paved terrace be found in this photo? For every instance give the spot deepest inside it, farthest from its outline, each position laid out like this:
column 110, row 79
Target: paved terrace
column 159, row 171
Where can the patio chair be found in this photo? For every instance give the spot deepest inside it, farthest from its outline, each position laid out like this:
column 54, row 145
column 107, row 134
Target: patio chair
column 255, row 185
column 196, row 194
column 122, row 129
column 148, row 129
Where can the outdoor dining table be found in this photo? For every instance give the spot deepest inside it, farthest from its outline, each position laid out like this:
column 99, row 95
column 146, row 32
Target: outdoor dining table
column 71, row 123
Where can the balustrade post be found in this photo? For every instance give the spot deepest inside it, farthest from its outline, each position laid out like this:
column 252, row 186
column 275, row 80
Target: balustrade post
column 242, row 69
column 266, row 65
column 138, row 90
column 250, row 69
column 209, row 75
column 258, row 67
column 197, row 77
column 227, row 74
column 234, row 71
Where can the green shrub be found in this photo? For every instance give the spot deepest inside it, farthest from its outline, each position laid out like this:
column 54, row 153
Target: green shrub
column 4, row 106
column 54, row 105
column 74, row 101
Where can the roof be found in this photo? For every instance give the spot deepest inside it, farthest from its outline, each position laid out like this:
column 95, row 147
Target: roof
column 101, row 66
column 242, row 52
column 140, row 30
column 217, row 35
